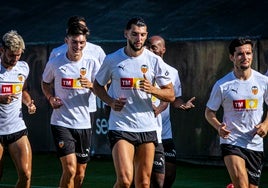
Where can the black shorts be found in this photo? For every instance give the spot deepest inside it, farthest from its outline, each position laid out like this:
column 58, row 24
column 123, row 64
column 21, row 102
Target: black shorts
column 170, row 150
column 134, row 138
column 5, row 140
column 69, row 141
column 254, row 160
column 159, row 159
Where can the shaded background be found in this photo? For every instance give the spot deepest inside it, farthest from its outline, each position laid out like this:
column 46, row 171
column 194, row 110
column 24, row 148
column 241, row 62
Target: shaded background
column 197, row 34
column 45, row 21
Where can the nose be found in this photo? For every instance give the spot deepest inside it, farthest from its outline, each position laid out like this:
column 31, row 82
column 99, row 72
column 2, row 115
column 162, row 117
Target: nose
column 139, row 37
column 244, row 55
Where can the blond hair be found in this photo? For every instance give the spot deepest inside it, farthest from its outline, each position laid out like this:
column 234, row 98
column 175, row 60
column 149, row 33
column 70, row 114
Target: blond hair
column 13, row 41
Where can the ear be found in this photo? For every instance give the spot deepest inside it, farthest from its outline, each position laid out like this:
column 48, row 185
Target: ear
column 231, row 57
column 66, row 40
column 164, row 50
column 125, row 33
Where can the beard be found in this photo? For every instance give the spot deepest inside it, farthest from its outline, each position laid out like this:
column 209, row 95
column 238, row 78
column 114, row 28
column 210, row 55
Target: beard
column 7, row 62
column 244, row 67
column 133, row 47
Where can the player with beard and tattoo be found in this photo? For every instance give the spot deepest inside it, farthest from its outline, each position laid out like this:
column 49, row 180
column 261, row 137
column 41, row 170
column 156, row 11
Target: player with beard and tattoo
column 133, row 70
column 13, row 92
column 242, row 93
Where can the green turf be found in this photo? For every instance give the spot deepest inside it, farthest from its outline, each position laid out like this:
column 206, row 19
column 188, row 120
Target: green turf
column 100, row 174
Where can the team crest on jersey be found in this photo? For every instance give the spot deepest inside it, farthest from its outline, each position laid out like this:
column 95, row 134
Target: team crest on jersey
column 144, row 69
column 61, row 144
column 254, row 90
column 20, row 77
column 83, row 71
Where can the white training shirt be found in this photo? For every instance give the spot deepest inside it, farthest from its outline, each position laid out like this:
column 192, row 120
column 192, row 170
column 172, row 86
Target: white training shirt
column 163, row 120
column 242, row 101
column 11, row 82
column 91, row 51
column 156, row 102
column 166, row 123
column 125, row 73
column 74, row 113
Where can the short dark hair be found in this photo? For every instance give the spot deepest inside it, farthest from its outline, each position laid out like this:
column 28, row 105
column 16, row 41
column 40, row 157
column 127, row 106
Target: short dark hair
column 239, row 42
column 136, row 21
column 75, row 19
column 77, row 29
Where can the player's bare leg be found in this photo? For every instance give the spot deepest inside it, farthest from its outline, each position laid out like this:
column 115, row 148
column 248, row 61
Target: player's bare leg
column 21, row 153
column 80, row 175
column 144, row 158
column 123, row 154
column 237, row 169
column 1, row 160
column 69, row 166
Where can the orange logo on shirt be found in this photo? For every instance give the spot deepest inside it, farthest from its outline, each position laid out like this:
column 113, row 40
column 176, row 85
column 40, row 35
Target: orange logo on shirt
column 61, row 144
column 254, row 90
column 144, row 69
column 83, row 71
column 20, row 77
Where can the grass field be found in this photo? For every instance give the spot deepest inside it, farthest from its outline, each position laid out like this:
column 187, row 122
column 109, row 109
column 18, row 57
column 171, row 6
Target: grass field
column 100, row 174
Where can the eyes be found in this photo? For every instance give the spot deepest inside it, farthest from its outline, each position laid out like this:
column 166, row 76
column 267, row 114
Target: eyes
column 244, row 53
column 135, row 34
column 75, row 42
column 15, row 54
column 153, row 47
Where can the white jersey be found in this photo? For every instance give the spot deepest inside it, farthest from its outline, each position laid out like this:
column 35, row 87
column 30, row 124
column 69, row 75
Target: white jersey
column 163, row 119
column 156, row 102
column 242, row 102
column 125, row 73
column 74, row 113
column 90, row 51
column 166, row 123
column 11, row 82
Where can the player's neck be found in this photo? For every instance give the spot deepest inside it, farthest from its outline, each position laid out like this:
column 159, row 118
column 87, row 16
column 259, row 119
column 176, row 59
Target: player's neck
column 133, row 53
column 243, row 74
column 74, row 57
column 7, row 66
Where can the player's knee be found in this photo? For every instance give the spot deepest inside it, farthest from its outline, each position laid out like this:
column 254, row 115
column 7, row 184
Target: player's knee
column 157, row 180
column 144, row 184
column 25, row 175
column 69, row 173
column 79, row 179
column 125, row 182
